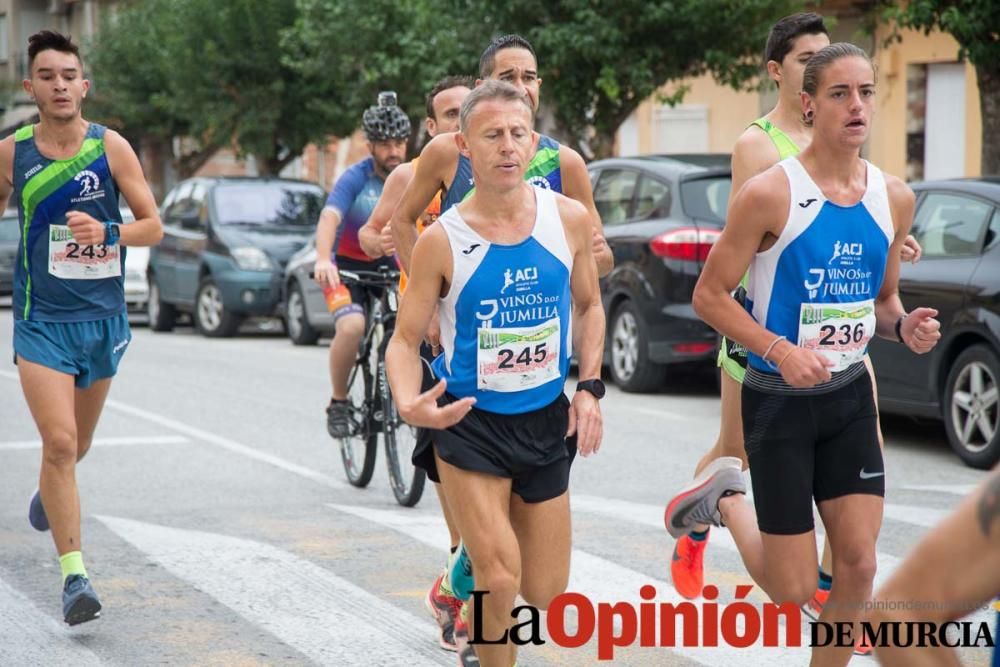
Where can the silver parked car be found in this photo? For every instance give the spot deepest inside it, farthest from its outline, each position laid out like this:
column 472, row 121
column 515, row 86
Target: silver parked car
column 303, row 305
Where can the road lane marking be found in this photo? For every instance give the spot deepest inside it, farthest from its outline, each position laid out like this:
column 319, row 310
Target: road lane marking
column 218, row 441
column 600, row 580
column 30, row 637
column 323, row 616
column 953, row 489
column 123, row 441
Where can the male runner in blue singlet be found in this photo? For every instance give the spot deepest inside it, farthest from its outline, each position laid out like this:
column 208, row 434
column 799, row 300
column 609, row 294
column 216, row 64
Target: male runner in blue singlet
column 508, row 268
column 70, row 324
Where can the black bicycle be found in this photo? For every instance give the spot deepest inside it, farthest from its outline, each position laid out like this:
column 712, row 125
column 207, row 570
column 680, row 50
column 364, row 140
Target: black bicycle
column 372, row 410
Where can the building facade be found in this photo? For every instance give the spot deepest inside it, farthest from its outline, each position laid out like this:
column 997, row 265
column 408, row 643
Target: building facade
column 927, row 119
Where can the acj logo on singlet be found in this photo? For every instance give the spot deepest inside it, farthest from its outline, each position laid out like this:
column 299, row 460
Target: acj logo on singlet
column 843, row 275
column 90, row 186
column 521, row 305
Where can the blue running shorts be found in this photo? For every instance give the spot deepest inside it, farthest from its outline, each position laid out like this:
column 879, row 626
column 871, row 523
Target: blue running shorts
column 89, row 351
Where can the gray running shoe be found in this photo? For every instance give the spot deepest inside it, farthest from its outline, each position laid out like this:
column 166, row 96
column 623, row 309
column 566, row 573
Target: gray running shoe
column 698, row 502
column 338, row 419
column 80, row 603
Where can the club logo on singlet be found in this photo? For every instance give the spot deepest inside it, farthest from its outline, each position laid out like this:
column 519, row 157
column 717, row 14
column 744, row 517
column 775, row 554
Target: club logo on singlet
column 847, row 253
column 540, row 182
column 90, row 186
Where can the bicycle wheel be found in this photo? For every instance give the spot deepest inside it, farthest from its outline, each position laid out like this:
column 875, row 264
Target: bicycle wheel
column 406, row 479
column 358, row 451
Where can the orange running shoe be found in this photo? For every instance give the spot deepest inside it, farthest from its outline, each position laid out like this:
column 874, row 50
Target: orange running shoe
column 814, row 607
column 687, row 566
column 863, row 647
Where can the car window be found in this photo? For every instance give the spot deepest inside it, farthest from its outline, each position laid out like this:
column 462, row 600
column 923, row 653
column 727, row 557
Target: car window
column 993, row 233
column 177, row 200
column 707, row 198
column 652, row 197
column 948, row 224
column 10, row 230
column 268, row 204
column 613, row 195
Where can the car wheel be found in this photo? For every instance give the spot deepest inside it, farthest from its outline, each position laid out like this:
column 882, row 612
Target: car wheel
column 631, row 368
column 211, row 317
column 296, row 320
column 162, row 315
column 972, row 407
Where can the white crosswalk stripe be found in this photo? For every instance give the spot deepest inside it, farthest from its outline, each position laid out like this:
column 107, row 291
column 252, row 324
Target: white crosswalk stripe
column 597, row 578
column 30, row 637
column 325, row 617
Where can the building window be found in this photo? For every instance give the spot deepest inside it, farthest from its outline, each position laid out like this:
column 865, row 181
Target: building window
column 916, row 118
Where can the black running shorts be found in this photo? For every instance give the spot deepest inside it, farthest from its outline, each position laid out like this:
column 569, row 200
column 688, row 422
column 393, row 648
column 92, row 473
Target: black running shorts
column 804, row 447
column 531, row 449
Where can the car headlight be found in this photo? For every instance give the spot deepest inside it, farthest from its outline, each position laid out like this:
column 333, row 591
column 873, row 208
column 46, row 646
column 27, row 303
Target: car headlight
column 252, row 259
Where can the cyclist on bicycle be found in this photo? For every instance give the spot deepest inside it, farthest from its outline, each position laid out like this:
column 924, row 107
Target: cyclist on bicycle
column 354, row 196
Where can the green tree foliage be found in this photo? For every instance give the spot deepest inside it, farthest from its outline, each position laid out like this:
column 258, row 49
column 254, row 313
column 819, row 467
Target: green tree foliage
column 208, row 70
column 599, row 59
column 349, row 51
column 975, row 25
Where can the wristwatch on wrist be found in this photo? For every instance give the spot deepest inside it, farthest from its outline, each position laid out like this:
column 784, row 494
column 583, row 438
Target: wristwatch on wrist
column 111, row 233
column 899, row 329
column 594, row 387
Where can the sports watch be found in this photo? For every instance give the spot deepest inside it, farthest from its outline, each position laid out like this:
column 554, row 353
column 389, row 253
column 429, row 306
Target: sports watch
column 594, row 387
column 111, row 233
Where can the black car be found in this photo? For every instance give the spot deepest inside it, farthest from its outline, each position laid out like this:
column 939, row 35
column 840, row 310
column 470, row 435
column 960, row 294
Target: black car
column 957, row 223
column 10, row 236
column 225, row 246
column 661, row 215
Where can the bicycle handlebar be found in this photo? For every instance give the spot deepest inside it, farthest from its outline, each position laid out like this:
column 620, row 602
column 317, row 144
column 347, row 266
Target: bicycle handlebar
column 384, row 277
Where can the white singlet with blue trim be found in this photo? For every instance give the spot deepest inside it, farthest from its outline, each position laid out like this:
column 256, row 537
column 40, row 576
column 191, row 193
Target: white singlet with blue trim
column 818, row 283
column 505, row 323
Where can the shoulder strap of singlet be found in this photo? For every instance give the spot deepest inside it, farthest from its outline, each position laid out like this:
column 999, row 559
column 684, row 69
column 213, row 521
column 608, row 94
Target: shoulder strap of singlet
column 786, row 147
column 549, row 229
column 876, row 200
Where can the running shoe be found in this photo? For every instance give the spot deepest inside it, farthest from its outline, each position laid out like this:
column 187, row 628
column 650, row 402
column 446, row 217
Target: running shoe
column 338, row 419
column 466, row 653
column 698, row 502
column 460, row 573
column 36, row 513
column 445, row 609
column 863, row 647
column 814, row 607
column 687, row 566
column 80, row 603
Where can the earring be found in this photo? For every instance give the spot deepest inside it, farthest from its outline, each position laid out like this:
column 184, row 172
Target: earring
column 809, row 115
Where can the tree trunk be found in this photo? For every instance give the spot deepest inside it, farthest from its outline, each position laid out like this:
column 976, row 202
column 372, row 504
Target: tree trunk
column 602, row 144
column 988, row 77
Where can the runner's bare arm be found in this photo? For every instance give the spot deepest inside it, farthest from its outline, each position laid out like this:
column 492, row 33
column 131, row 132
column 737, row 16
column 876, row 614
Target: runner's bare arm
column 437, row 164
column 432, row 256
column 758, row 210
column 370, row 234
column 754, row 153
column 147, row 229
column 576, row 185
column 919, row 329
column 588, row 324
column 6, row 171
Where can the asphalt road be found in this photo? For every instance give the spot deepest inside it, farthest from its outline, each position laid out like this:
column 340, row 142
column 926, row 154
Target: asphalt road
column 219, row 529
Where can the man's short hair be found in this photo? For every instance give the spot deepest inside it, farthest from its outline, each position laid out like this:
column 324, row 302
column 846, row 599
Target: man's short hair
column 445, row 84
column 488, row 91
column 49, row 39
column 488, row 61
column 784, row 33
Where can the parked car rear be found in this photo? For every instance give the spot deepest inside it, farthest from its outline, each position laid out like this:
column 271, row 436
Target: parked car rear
column 661, row 215
column 226, row 242
column 957, row 223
